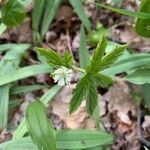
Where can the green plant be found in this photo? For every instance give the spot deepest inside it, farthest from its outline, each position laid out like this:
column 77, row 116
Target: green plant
column 87, row 86
column 143, row 16
column 45, row 137
column 12, row 13
column 47, row 10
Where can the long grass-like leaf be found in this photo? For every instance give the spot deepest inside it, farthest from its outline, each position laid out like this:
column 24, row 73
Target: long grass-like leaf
column 36, row 18
column 24, row 72
column 5, row 47
column 3, row 27
column 26, row 89
column 129, row 64
column 49, row 14
column 141, row 15
column 66, row 139
column 40, row 128
column 77, row 5
column 9, row 63
column 22, row 129
column 140, row 76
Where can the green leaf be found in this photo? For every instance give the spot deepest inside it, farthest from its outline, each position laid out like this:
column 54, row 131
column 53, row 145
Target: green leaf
column 125, row 12
column 78, row 94
column 111, row 57
column 65, row 139
column 36, row 17
column 143, row 25
column 128, row 64
column 8, row 63
column 83, row 51
column 145, row 92
column 81, row 139
column 40, row 128
column 102, row 80
column 78, row 8
column 3, row 27
column 67, row 60
column 140, row 76
column 92, row 95
column 49, row 14
column 21, row 129
column 14, row 103
column 26, row 89
column 98, row 53
column 24, row 72
column 10, row 46
column 19, row 144
column 12, row 13
column 52, row 57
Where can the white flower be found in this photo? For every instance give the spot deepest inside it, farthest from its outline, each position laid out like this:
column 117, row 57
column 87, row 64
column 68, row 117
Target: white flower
column 62, row 75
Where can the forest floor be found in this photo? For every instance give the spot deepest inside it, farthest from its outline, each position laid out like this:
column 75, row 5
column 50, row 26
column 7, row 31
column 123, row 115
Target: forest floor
column 118, row 108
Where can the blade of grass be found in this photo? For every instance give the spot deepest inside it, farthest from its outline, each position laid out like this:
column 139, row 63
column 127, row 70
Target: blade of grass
column 40, row 127
column 65, row 139
column 81, row 139
column 140, row 76
column 22, row 129
column 24, row 72
column 131, row 63
column 83, row 52
column 13, row 103
column 5, row 47
column 3, row 27
column 9, row 63
column 36, row 18
column 19, row 144
column 49, row 14
column 26, row 89
column 78, row 8
column 141, row 15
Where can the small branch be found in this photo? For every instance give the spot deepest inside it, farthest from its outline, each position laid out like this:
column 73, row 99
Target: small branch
column 140, row 138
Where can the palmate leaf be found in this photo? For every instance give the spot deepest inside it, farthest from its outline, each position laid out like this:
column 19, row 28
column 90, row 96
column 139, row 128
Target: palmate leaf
column 87, row 88
column 52, row 57
column 67, row 59
column 97, row 56
column 12, row 13
column 83, row 51
column 78, row 94
column 55, row 59
column 102, row 80
column 92, row 96
column 111, row 57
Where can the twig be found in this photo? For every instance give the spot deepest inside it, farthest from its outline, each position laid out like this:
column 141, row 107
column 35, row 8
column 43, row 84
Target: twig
column 140, row 138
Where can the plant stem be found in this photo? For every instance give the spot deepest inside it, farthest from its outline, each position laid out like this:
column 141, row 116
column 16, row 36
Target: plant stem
column 78, row 69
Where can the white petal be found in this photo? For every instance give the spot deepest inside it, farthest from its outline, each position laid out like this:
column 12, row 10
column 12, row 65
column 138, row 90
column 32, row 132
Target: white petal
column 68, row 79
column 69, row 71
column 61, row 82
